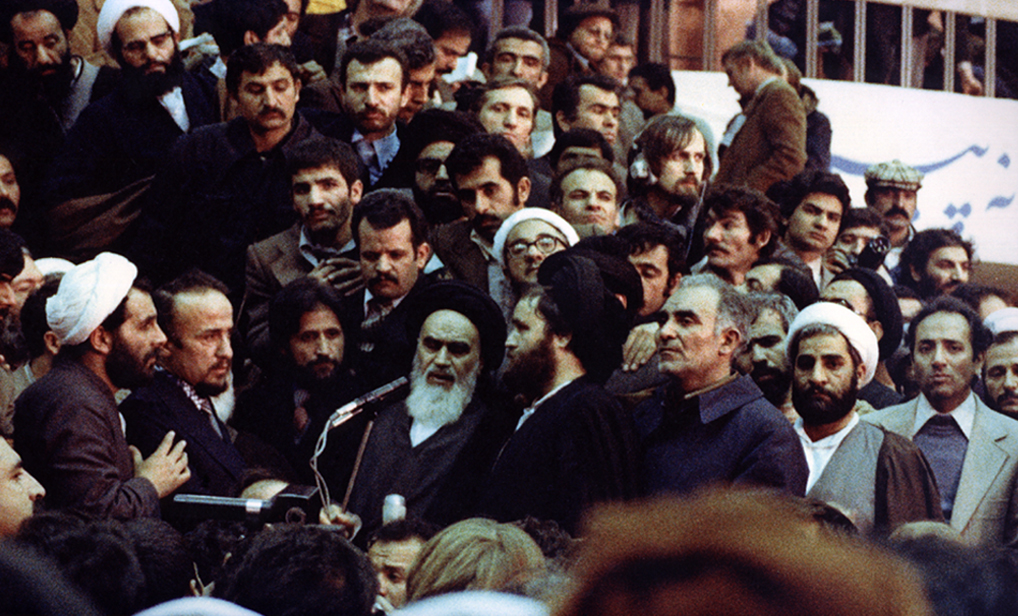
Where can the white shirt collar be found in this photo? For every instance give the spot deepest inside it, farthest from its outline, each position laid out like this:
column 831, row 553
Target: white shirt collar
column 528, row 412
column 173, row 101
column 963, row 414
column 818, row 453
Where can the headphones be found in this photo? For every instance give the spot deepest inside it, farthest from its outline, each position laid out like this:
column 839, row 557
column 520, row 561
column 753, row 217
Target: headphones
column 639, row 172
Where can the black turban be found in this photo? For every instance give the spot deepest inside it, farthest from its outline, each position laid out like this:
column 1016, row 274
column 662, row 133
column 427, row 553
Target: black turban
column 467, row 300
column 66, row 12
column 885, row 305
column 596, row 319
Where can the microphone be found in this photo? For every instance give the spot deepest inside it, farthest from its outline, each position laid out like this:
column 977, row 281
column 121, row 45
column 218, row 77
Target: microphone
column 375, row 396
column 294, row 504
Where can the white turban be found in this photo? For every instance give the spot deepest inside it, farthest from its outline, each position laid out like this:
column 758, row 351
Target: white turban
column 53, row 265
column 87, row 295
column 532, row 213
column 1004, row 320
column 848, row 323
column 113, row 10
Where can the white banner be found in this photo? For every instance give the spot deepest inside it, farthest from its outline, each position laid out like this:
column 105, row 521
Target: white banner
column 966, row 147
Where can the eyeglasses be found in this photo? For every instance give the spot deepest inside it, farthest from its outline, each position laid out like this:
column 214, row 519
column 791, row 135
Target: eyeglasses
column 428, row 166
column 546, row 244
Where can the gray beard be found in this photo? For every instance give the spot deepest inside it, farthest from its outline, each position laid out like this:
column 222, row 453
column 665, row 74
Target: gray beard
column 434, row 405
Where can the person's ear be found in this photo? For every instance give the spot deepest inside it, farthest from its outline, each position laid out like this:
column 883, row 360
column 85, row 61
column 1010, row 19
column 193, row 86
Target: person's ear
column 544, row 77
column 762, row 239
column 731, row 339
column 523, row 189
column 561, row 121
column 250, row 38
column 101, row 340
column 673, row 283
column 862, row 369
column 422, row 254
column 52, row 342
column 356, row 192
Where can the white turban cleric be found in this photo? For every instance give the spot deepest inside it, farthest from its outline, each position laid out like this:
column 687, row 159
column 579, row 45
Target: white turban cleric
column 1003, row 320
column 531, row 213
column 88, row 294
column 848, row 323
column 113, row 10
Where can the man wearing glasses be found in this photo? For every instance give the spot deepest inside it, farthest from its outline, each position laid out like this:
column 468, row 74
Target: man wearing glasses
column 523, row 242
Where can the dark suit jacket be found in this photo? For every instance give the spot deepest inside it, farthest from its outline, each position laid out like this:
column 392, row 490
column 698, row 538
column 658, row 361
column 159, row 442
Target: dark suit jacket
column 161, row 406
column 69, row 435
column 462, row 257
column 398, row 174
column 770, row 146
column 271, row 265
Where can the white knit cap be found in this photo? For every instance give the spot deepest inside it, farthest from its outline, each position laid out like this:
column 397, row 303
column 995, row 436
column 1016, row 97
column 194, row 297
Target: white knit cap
column 848, row 323
column 1003, row 320
column 532, row 213
column 87, row 295
column 113, row 10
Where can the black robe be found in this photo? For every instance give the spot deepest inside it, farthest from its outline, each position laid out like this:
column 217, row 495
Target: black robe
column 578, row 448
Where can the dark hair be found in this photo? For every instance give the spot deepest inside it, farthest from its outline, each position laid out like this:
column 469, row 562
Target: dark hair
column 298, row 569
column 316, row 152
column 370, row 51
column 442, row 16
column 210, row 543
column 665, row 134
column 657, row 76
column 294, row 301
column 883, row 304
column 798, row 286
column 980, row 337
column 33, row 317
column 233, row 18
column 572, row 18
column 257, row 59
column 518, row 32
column 916, row 253
column 471, row 152
column 66, row 12
column 582, row 138
column 790, row 194
column 758, row 51
column 905, row 292
column 402, row 530
column 974, row 294
column 385, row 208
column 431, row 125
column 645, row 236
column 165, row 297
column 12, row 258
column 761, row 213
column 411, row 38
column 566, row 96
column 502, row 83
column 864, row 217
column 556, row 187
column 164, row 558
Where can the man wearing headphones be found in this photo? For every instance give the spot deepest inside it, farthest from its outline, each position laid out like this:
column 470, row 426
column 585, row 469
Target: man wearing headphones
column 668, row 168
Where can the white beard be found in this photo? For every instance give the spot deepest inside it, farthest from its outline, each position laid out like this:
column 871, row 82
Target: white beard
column 434, row 406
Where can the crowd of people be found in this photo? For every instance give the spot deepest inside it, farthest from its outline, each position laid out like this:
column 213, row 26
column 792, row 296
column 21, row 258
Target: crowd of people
column 532, row 341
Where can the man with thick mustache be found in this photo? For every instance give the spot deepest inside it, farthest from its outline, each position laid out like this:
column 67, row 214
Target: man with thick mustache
column 391, row 234
column 228, row 186
column 126, row 136
column 45, row 87
column 10, row 193
column 198, row 319
column 879, row 478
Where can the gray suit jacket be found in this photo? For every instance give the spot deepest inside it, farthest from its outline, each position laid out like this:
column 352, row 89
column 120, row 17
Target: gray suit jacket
column 272, row 264
column 985, row 510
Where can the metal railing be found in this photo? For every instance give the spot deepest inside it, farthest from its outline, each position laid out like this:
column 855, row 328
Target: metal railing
column 655, row 16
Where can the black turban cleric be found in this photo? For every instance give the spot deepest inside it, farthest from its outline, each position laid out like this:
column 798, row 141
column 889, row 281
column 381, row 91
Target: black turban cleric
column 467, row 300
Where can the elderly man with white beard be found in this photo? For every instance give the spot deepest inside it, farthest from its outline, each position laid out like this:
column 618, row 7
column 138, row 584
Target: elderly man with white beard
column 435, row 448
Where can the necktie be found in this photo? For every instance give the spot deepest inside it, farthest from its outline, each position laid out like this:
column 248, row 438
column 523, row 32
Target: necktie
column 944, row 446
column 207, row 408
